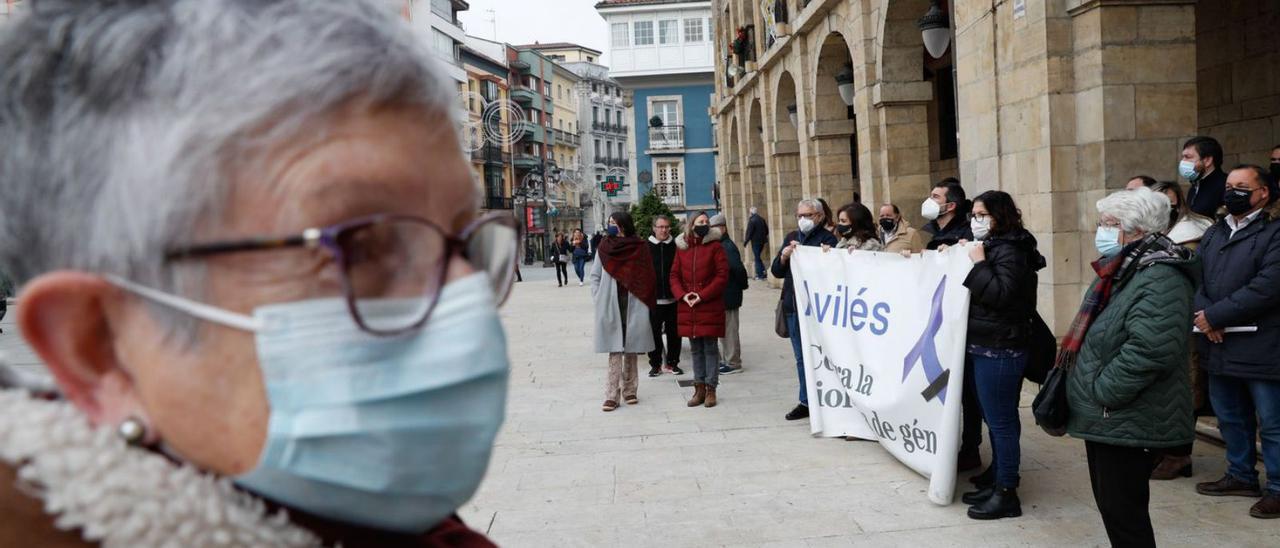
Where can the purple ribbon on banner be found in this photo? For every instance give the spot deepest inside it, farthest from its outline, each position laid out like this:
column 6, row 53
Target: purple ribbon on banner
column 927, row 353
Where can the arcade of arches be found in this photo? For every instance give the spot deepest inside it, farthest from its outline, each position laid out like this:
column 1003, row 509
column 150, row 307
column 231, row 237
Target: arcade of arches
column 1057, row 102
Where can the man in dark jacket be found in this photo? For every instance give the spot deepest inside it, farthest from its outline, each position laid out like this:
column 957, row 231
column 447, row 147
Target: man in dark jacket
column 730, row 344
column 811, row 233
column 1202, row 165
column 946, row 209
column 662, row 318
column 757, row 236
column 1238, row 312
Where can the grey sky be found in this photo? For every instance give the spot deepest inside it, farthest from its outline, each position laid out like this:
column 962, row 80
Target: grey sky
column 529, row 21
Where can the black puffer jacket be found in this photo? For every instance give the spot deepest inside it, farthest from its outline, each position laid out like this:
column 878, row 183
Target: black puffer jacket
column 1002, row 290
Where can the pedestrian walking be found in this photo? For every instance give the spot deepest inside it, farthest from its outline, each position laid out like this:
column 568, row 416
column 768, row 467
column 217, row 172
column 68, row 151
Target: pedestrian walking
column 811, row 232
column 333, row 376
column 1002, row 305
column 561, row 252
column 856, row 230
column 580, row 254
column 662, row 319
column 731, row 343
column 757, row 237
column 1238, row 316
column 698, row 279
column 1125, row 355
column 595, row 243
column 623, row 289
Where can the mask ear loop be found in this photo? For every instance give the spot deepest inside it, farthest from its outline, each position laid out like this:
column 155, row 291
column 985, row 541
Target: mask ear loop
column 203, row 311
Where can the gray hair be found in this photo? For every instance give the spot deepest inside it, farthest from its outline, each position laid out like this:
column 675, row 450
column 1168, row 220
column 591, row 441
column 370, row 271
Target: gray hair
column 811, row 203
column 123, row 122
column 753, row 210
column 1139, row 209
column 660, row 217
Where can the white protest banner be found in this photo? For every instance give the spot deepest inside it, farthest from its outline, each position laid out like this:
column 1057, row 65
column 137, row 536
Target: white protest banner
column 884, row 337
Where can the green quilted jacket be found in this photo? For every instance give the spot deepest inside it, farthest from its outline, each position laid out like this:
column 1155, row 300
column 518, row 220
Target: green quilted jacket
column 1131, row 385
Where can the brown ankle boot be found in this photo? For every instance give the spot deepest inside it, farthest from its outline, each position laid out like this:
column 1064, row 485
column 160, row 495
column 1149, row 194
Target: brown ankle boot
column 711, row 397
column 699, row 395
column 1171, row 467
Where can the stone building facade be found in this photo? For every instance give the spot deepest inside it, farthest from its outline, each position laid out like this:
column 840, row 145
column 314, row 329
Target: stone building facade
column 1057, row 102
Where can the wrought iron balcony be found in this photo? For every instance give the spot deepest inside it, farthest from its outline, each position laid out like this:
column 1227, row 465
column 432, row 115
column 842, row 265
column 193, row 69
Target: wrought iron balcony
column 666, row 139
column 499, row 202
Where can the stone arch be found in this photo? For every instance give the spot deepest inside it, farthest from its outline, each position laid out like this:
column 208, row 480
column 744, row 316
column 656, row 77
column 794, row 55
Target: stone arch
column 788, row 185
column 832, row 128
column 736, row 203
column 755, row 182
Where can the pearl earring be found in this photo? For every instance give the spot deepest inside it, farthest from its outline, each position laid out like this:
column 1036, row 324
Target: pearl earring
column 132, row 431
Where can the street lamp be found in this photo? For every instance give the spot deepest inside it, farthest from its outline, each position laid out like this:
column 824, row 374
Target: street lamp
column 844, row 82
column 935, row 29
column 791, row 113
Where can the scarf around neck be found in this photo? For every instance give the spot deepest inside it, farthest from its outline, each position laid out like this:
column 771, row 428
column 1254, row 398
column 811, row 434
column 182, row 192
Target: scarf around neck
column 1113, row 273
column 627, row 260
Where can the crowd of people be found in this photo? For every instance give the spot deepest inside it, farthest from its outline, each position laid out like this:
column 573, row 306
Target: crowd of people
column 1168, row 262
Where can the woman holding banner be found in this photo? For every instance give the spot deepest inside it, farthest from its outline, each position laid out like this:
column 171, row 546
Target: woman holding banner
column 1002, row 303
column 698, row 278
column 1127, row 386
column 857, row 229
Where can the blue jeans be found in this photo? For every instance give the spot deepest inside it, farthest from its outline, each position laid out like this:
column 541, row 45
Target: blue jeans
column 999, row 384
column 1239, row 404
column 579, row 263
column 793, row 328
column 756, row 249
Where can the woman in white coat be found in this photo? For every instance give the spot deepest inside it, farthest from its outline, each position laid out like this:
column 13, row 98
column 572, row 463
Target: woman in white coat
column 623, row 286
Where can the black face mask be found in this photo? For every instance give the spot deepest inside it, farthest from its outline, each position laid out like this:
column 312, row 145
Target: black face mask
column 1275, row 170
column 701, row 231
column 1237, row 201
column 888, row 225
column 844, row 230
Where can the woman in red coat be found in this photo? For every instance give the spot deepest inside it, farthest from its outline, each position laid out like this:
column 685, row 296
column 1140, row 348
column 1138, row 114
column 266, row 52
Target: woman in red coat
column 698, row 278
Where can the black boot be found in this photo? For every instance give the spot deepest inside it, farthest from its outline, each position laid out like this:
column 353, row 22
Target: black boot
column 978, row 497
column 986, row 479
column 1003, row 503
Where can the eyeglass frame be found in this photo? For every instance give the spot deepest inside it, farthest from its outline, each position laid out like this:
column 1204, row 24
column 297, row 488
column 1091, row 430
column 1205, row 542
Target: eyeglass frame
column 327, row 238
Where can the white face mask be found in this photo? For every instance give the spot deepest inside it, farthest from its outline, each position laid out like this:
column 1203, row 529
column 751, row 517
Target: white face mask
column 980, row 227
column 806, row 225
column 930, row 209
column 392, row 433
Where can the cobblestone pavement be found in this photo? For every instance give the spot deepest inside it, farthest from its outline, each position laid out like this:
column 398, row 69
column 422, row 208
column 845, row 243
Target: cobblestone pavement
column 661, row 474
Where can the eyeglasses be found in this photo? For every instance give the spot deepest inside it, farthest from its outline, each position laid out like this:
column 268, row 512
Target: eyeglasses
column 805, row 215
column 393, row 267
column 979, row 216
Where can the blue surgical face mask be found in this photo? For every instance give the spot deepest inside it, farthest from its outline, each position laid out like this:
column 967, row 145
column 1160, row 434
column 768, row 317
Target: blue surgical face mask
column 1107, row 241
column 392, row 433
column 1187, row 169
column 612, row 230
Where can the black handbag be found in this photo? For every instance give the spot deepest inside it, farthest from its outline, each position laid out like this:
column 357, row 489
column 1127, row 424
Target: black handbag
column 1042, row 349
column 1050, row 406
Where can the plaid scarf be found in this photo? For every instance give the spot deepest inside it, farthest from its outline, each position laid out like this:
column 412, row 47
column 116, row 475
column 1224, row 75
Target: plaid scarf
column 1113, row 272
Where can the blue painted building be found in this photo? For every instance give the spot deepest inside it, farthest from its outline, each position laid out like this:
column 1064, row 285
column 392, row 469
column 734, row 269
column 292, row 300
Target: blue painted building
column 662, row 54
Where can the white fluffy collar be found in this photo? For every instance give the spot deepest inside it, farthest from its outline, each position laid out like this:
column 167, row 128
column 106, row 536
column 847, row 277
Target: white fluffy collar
column 655, row 241
column 120, row 496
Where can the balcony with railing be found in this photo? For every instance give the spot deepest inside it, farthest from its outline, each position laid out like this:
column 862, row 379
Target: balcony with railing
column 525, row 161
column 523, row 94
column 499, row 202
column 491, row 154
column 668, row 139
column 672, row 194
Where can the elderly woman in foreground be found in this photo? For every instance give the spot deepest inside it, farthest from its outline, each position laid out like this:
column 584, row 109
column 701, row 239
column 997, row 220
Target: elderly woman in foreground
column 1127, row 385
column 250, row 256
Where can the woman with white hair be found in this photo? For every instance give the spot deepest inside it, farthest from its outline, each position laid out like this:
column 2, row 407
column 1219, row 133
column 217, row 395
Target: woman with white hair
column 1127, row 388
column 248, row 251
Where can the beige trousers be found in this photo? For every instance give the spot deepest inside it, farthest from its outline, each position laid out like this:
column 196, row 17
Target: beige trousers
column 622, row 376
column 731, row 345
